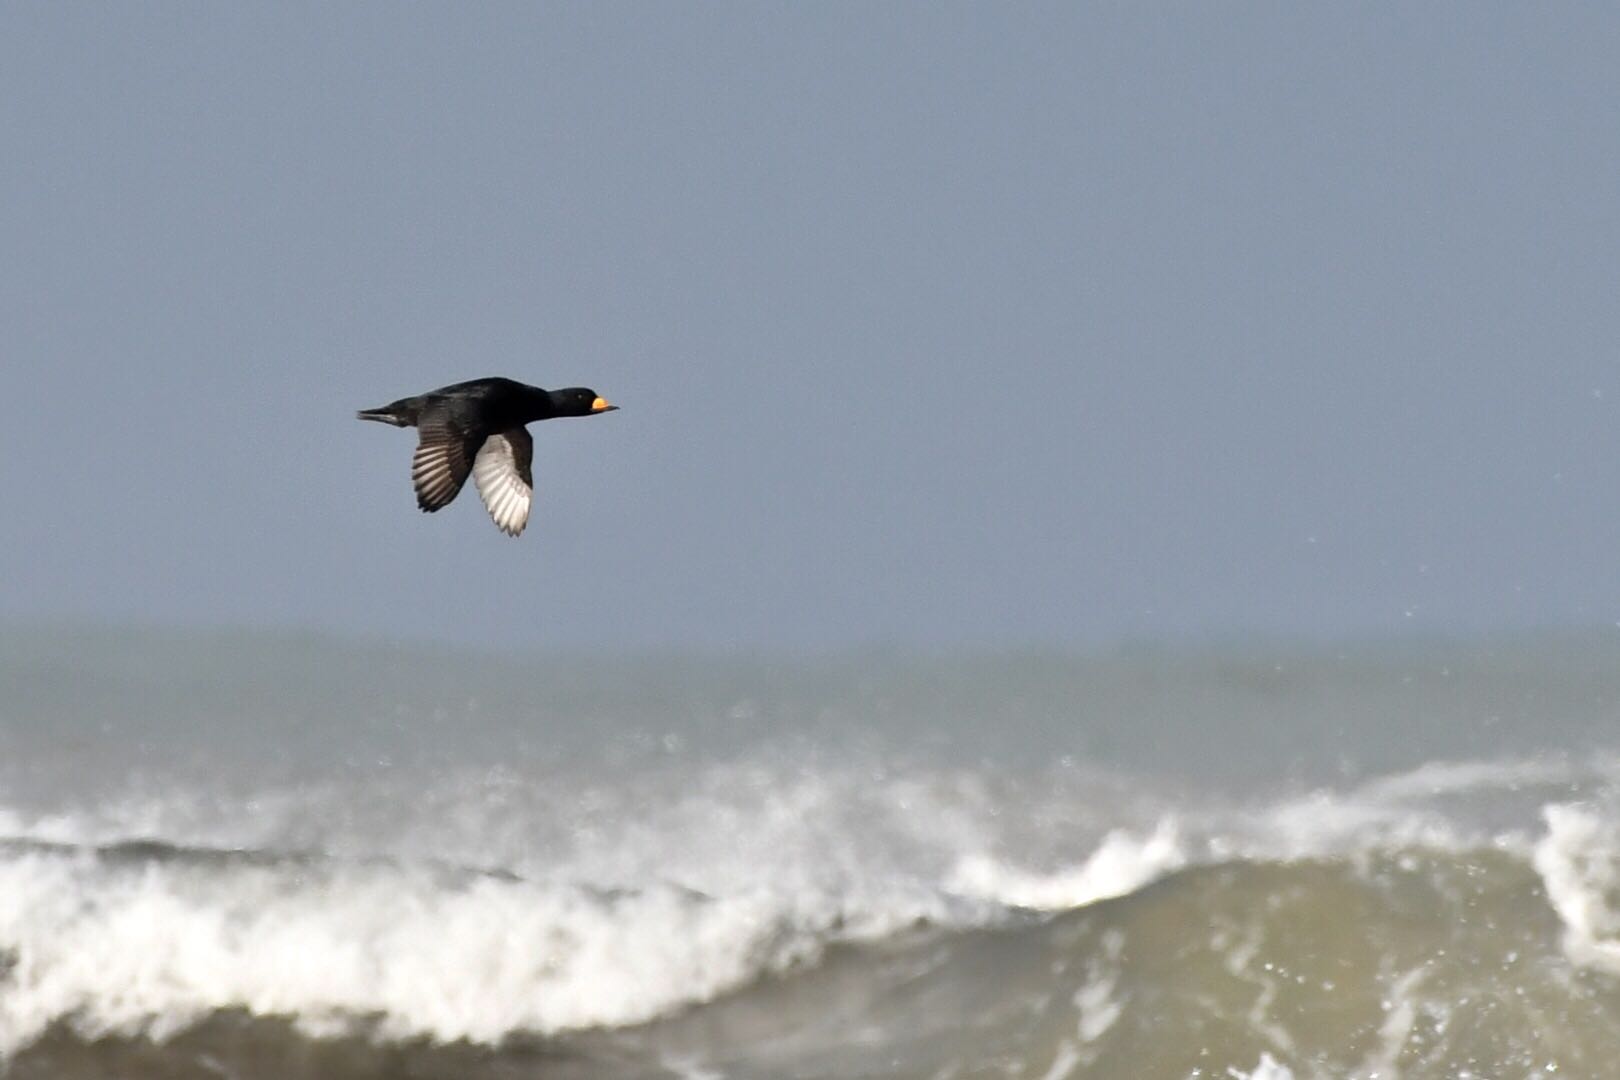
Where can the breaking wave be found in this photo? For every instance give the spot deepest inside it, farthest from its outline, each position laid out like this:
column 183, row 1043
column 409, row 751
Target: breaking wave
column 749, row 901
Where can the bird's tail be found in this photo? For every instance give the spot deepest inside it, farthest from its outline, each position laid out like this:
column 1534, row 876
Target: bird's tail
column 394, row 414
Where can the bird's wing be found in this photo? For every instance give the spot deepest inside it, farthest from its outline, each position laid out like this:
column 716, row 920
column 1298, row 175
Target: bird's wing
column 501, row 472
column 441, row 463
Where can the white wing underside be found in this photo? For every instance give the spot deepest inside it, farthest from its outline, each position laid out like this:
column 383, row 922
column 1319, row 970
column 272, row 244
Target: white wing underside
column 501, row 471
column 438, row 468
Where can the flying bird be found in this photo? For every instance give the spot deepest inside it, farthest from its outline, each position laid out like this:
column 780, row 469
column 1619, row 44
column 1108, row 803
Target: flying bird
column 478, row 427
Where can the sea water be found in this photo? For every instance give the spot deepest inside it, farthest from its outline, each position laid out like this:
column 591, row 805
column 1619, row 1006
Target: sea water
column 258, row 855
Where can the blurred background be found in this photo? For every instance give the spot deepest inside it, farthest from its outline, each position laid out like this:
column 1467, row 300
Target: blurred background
column 933, row 325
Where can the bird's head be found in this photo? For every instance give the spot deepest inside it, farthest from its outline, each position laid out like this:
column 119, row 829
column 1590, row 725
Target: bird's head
column 579, row 401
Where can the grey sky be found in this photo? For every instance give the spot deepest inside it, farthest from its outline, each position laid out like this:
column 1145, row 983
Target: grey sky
column 932, row 324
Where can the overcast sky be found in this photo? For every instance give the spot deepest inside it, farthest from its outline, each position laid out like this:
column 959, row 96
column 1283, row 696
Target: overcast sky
column 932, row 324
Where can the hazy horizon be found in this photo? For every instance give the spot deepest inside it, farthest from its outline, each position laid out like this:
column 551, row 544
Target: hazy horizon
column 1410, row 639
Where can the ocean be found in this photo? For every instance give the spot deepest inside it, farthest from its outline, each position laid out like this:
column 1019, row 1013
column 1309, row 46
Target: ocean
column 260, row 855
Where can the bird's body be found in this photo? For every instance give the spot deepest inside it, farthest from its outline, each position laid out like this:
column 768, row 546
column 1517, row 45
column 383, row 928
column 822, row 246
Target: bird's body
column 477, row 428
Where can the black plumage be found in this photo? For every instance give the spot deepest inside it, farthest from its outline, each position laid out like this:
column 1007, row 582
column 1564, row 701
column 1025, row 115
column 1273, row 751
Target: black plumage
column 478, row 428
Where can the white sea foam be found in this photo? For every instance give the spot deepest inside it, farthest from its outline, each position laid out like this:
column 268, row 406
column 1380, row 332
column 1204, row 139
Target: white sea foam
column 1123, row 863
column 1579, row 863
column 619, row 903
column 1268, row 1069
column 1323, row 824
column 151, row 948
column 663, row 910
column 1441, row 778
column 644, row 901
column 1410, row 809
